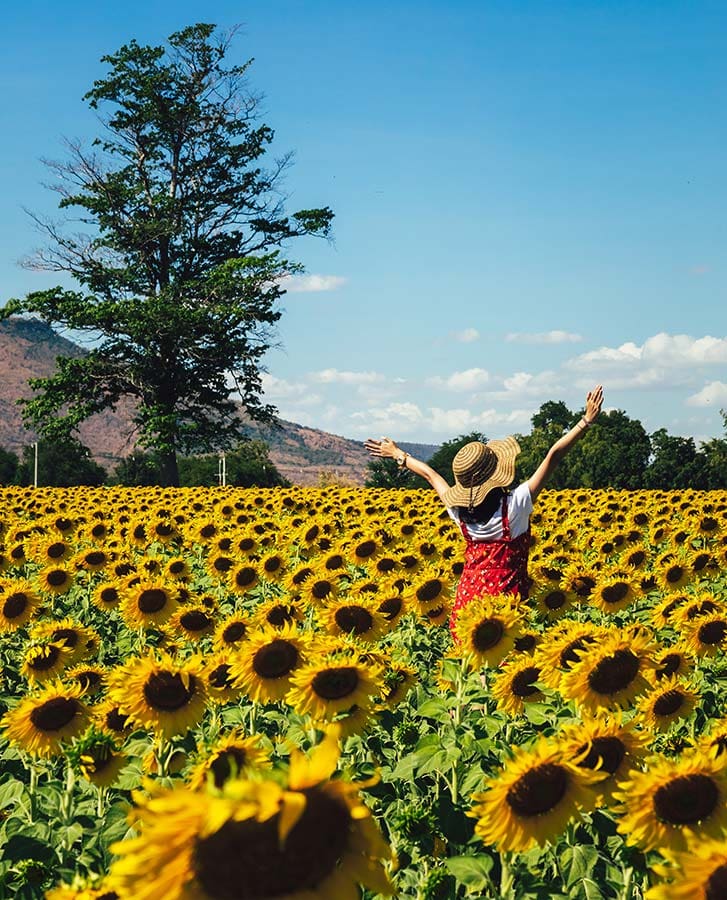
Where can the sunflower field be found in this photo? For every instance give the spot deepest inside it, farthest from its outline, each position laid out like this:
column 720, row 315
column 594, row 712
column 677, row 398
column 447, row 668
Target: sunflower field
column 237, row 694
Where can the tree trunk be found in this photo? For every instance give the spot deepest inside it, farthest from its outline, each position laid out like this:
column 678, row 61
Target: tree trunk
column 169, row 469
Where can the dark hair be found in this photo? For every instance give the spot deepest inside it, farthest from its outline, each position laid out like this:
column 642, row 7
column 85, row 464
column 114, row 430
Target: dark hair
column 485, row 510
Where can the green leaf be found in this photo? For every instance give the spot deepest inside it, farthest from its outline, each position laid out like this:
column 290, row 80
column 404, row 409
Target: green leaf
column 10, row 793
column 578, row 862
column 434, row 709
column 471, row 871
column 24, row 846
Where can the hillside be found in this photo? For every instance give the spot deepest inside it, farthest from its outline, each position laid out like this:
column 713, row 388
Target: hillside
column 28, row 349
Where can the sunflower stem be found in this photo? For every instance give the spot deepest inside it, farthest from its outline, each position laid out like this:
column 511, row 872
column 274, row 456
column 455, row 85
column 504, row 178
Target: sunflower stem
column 506, row 876
column 100, row 801
column 32, row 789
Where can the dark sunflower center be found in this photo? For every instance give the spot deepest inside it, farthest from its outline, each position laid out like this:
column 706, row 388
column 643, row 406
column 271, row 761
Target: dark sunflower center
column 230, row 760
column 606, row 754
column 89, row 679
column 195, row 620
column 335, row 684
column 554, row 600
column 222, row 564
column 636, row 558
column 614, row 593
column 614, row 673
column 109, row 595
column 55, row 714
column 409, row 561
column 108, row 895
column 280, row 614
column 525, row 643
column 56, row 550
column 365, row 549
column 46, row 659
column 668, row 703
column 674, row 574
column 273, row 564
column 429, row 591
column 247, row 861
column 716, row 887
column 700, row 562
column 321, row 589
column 275, row 659
column 208, row 531
column 334, row 562
column 177, row 567
column 523, row 684
column 488, row 634
column 220, row 678
column 669, row 665
column 233, row 632
column 57, row 577
column 686, row 800
column 583, row 585
column 69, row 636
column 713, row 632
column 167, row 692
column 245, row 576
column 354, row 619
column 152, row 600
column 115, row 720
column 700, row 609
column 301, row 575
column 538, row 791
column 15, row 605
column 95, row 558
column 390, row 608
column 387, row 564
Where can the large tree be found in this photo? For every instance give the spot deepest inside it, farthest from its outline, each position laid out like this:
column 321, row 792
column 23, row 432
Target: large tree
column 180, row 264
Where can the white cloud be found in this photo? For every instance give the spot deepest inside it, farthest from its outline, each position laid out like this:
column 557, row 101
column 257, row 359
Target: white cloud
column 467, row 336
column 308, row 284
column 403, row 418
column 712, row 394
column 539, row 384
column 336, row 376
column 543, row 337
column 661, row 351
column 278, row 388
column 469, row 380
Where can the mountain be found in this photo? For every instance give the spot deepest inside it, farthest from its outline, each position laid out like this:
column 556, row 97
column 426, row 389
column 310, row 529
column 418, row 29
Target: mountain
column 29, row 348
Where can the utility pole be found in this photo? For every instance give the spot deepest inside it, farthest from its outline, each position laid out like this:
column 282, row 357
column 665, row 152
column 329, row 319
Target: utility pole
column 35, row 465
column 222, row 469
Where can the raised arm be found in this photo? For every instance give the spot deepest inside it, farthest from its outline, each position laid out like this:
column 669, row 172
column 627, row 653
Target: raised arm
column 594, row 401
column 387, row 449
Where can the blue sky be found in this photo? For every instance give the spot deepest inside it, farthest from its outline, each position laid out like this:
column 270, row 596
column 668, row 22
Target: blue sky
column 530, row 198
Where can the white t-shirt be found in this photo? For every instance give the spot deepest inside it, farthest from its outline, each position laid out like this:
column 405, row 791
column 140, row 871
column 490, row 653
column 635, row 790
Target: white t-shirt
column 519, row 507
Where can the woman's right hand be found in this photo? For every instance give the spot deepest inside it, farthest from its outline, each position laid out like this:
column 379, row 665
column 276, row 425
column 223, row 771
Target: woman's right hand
column 384, row 447
column 594, row 402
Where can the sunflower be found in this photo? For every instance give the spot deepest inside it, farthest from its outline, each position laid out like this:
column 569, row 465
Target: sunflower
column 486, row 629
column 232, row 631
column 148, row 604
column 221, row 687
column 663, row 614
column 107, row 595
column 18, row 602
column 92, row 560
column 517, row 684
column 265, row 662
column 533, row 798
column 609, row 674
column 708, row 635
column 55, row 579
column 92, row 888
column 40, row 722
column 580, row 579
column 674, row 660
column 358, row 617
column 430, row 588
column 635, row 557
column 319, row 587
column 80, row 641
column 109, row 718
column 674, row 800
column 43, row 662
column 233, row 756
column 322, row 690
column 436, row 614
column 97, row 756
column 52, row 551
column 191, row 623
column 670, row 701
column 391, row 604
column 552, row 602
column 673, row 574
column 220, row 565
column 160, row 693
column 603, row 743
column 91, row 678
column 277, row 613
column 696, row 608
column 700, row 873
column 243, row 577
column 397, row 678
column 273, row 566
column 613, row 593
column 311, row 837
column 177, row 568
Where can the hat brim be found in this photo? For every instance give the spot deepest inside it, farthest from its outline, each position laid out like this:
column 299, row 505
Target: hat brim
column 506, row 452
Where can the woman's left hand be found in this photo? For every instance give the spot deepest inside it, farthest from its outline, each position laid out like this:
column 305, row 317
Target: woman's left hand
column 384, row 447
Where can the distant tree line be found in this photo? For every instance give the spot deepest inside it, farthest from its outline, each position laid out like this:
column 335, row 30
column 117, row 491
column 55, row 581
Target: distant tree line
column 68, row 463
column 617, row 452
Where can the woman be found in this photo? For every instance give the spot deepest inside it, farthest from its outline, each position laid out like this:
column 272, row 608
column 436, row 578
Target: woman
column 495, row 522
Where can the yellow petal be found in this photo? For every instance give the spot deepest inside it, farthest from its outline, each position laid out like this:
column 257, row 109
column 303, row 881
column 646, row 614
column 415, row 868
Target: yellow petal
column 293, row 807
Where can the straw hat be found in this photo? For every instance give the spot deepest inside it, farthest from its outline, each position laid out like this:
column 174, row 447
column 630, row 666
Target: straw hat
column 478, row 468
